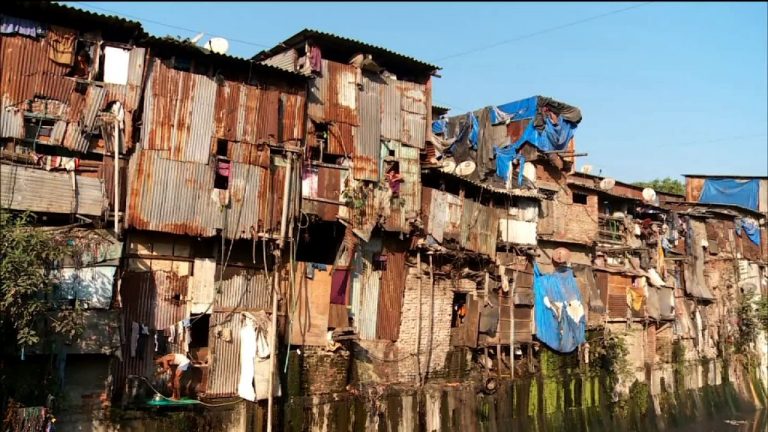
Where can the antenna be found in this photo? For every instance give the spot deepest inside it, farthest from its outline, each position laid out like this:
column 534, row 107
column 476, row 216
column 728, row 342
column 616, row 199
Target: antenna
column 218, row 45
column 197, row 38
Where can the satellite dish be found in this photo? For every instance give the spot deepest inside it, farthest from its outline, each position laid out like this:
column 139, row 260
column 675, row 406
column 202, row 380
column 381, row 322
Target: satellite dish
column 218, row 45
column 607, row 183
column 448, row 166
column 649, row 195
column 465, row 168
column 197, row 38
column 586, row 169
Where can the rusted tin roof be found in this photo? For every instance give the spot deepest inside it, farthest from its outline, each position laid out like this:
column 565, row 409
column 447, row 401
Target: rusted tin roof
column 346, row 48
column 525, row 193
column 37, row 190
column 111, row 26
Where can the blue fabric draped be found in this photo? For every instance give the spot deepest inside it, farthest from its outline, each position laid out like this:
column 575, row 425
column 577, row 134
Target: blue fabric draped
column 743, row 193
column 750, row 227
column 561, row 333
column 438, row 126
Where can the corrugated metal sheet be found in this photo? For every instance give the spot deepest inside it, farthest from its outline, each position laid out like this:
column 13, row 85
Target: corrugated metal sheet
column 479, row 228
column 410, row 188
column 244, row 290
column 328, row 188
column 434, row 211
column 618, row 287
column 368, row 144
column 392, row 290
column 156, row 299
column 365, row 290
column 202, row 286
column 106, row 174
column 11, row 118
column 285, row 60
column 247, row 113
column 181, row 105
column 342, row 103
column 178, row 197
column 517, row 232
column 83, row 118
column 414, row 113
column 27, row 71
column 224, row 356
column 42, row 191
column 391, row 123
column 293, row 121
column 342, row 139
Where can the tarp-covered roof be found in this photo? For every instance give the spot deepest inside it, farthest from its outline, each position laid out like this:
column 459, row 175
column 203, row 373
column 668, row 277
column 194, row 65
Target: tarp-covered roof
column 347, row 47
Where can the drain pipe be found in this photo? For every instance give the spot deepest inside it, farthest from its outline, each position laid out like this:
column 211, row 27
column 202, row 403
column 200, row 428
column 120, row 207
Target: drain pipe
column 418, row 321
column 119, row 116
column 286, row 193
column 272, row 351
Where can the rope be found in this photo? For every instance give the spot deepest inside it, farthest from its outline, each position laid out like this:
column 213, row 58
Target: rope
column 201, row 402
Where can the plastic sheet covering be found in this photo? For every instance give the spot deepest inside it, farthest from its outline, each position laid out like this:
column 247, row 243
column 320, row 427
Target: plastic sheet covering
column 742, row 193
column 559, row 312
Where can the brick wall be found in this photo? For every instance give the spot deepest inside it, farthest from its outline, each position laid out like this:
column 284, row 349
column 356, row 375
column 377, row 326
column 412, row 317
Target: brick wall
column 440, row 326
column 319, row 371
column 565, row 220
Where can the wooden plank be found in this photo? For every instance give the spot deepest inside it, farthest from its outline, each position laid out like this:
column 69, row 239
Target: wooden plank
column 310, row 322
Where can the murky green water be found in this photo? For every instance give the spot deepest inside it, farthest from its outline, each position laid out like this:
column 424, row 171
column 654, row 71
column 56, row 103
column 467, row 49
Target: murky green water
column 744, row 422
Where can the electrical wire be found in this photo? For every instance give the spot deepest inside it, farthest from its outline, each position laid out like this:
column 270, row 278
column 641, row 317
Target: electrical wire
column 169, row 25
column 540, row 32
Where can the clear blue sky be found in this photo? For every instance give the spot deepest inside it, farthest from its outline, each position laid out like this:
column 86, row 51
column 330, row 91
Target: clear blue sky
column 665, row 88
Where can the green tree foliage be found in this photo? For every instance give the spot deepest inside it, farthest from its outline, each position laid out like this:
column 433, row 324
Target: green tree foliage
column 667, row 184
column 27, row 256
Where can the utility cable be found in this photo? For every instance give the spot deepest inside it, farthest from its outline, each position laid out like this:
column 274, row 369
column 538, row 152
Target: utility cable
column 169, row 25
column 540, row 32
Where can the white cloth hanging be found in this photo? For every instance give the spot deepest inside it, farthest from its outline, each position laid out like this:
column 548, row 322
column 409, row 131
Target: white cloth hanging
column 247, row 357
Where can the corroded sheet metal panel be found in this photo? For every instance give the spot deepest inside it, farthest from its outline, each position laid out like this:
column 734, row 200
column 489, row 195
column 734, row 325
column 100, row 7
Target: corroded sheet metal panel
column 342, row 95
column 242, row 289
column 365, row 291
column 224, row 356
column 392, row 289
column 178, row 197
column 49, row 192
column 479, row 228
column 368, row 145
column 391, row 122
column 156, row 299
column 342, row 138
column 293, row 122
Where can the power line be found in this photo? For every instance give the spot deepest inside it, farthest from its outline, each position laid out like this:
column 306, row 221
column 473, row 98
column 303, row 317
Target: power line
column 540, row 32
column 170, row 25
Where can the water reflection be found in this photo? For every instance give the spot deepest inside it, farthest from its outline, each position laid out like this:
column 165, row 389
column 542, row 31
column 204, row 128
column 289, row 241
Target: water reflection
column 744, row 422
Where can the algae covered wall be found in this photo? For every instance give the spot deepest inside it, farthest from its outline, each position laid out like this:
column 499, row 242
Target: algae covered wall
column 559, row 398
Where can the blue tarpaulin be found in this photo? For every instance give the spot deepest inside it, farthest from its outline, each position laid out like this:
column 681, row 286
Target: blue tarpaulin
column 518, row 110
column 742, row 193
column 750, row 227
column 558, row 310
column 438, row 126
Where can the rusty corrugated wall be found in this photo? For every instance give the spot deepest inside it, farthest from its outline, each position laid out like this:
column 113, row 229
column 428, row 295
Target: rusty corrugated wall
column 242, row 289
column 368, row 144
column 391, row 123
column 224, row 356
column 292, row 122
column 414, row 108
column 178, row 197
column 392, row 289
column 409, row 202
column 328, row 189
column 154, row 299
column 178, row 113
column 37, row 190
column 479, row 228
column 365, row 290
column 27, row 72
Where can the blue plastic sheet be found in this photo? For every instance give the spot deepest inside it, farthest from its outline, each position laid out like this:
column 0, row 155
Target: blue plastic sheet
column 438, row 126
column 561, row 333
column 750, row 227
column 519, row 110
column 742, row 193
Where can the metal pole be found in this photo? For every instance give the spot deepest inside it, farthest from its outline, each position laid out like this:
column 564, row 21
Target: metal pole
column 418, row 321
column 286, row 194
column 116, row 169
column 272, row 352
column 512, row 325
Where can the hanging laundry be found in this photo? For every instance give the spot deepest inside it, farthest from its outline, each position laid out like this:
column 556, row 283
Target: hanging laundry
column 11, row 25
column 62, row 45
column 339, row 283
column 315, row 59
column 171, row 333
column 223, row 167
column 247, row 357
column 134, row 337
